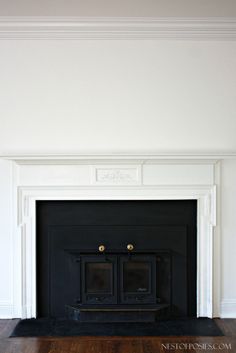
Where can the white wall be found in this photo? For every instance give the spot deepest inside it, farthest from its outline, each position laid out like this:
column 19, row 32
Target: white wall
column 6, row 297
column 76, row 96
column 118, row 8
column 80, row 96
column 228, row 244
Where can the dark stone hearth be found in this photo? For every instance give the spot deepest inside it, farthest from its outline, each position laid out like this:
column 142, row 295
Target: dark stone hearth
column 61, row 327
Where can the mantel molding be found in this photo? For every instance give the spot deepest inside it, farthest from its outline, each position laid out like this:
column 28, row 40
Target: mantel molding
column 207, row 236
column 122, row 28
column 88, row 179
column 161, row 157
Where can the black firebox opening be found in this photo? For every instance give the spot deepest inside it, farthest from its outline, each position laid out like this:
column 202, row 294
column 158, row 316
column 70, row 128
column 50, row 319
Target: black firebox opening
column 116, row 260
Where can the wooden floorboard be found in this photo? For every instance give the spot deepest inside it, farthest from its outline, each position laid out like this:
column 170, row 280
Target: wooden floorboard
column 91, row 344
column 7, row 326
column 228, row 326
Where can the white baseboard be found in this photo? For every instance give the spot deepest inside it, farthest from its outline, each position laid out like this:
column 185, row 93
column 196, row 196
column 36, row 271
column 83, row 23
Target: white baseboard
column 228, row 309
column 6, row 310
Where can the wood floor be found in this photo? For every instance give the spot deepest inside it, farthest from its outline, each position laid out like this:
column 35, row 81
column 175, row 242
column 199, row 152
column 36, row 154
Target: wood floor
column 223, row 344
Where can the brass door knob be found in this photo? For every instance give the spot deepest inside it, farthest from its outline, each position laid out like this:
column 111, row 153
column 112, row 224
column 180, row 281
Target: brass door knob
column 130, row 247
column 101, row 248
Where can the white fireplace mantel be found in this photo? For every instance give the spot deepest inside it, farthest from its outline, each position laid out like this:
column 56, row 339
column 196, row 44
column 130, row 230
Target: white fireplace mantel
column 108, row 178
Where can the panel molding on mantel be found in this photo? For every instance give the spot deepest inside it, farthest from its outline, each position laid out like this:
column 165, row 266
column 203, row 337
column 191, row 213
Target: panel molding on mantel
column 167, row 28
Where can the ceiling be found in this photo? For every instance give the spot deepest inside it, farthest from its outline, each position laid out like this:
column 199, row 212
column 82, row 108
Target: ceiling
column 121, row 8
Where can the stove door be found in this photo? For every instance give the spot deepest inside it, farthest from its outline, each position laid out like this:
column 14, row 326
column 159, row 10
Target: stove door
column 138, row 279
column 99, row 279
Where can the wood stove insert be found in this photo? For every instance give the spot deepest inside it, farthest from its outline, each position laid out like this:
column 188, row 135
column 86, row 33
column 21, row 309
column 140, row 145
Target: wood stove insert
column 116, row 260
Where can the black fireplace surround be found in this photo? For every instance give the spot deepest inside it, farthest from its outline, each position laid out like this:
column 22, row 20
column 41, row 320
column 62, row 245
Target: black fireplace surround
column 116, row 260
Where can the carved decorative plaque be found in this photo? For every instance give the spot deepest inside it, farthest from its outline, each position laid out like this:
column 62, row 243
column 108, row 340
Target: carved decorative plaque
column 116, row 176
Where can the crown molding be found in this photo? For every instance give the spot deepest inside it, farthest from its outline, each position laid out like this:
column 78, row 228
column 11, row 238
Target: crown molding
column 140, row 28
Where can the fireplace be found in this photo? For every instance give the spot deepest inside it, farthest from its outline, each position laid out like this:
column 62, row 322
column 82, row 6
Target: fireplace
column 109, row 178
column 116, row 260
column 118, row 279
column 122, row 287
